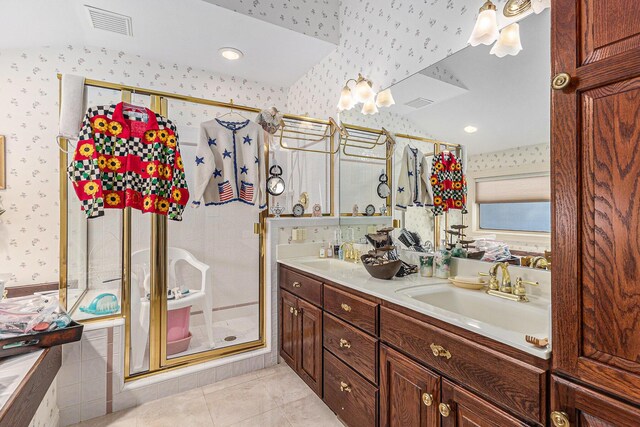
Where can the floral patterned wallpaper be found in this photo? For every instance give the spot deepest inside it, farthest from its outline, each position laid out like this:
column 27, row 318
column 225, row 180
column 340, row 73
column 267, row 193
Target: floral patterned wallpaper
column 29, row 230
column 538, row 154
column 316, row 18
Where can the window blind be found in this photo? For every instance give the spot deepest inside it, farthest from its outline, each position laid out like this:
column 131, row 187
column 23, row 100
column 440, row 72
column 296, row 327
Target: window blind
column 513, row 189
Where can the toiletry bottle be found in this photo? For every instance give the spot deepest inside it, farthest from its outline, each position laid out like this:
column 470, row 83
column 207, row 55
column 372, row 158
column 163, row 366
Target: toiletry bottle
column 329, row 250
column 322, row 250
column 442, row 261
column 337, row 241
column 458, row 251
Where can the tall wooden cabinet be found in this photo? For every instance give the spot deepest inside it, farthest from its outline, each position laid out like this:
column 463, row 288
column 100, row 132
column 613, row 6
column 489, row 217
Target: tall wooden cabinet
column 595, row 154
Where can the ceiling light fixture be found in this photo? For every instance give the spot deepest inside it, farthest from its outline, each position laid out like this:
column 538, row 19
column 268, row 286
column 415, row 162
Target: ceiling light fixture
column 230, row 53
column 470, row 129
column 516, row 7
column 363, row 93
column 508, row 43
column 486, row 29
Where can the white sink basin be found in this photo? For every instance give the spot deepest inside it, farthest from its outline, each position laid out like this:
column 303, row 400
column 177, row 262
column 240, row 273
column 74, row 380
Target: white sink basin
column 527, row 318
column 330, row 265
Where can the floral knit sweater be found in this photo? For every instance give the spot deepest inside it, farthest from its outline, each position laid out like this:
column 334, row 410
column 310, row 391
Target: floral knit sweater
column 448, row 182
column 128, row 156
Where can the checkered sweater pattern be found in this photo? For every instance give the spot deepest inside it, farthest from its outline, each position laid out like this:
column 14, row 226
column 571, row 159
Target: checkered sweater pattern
column 128, row 156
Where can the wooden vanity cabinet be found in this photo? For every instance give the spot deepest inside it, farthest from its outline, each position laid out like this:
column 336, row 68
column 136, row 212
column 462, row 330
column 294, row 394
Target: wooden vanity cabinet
column 583, row 407
column 301, row 338
column 409, row 392
column 595, row 176
column 460, row 408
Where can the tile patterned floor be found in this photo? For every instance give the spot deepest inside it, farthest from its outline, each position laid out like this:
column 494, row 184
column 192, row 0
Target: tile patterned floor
column 272, row 397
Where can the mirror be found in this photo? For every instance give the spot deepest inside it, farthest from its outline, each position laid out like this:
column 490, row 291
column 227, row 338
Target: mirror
column 498, row 110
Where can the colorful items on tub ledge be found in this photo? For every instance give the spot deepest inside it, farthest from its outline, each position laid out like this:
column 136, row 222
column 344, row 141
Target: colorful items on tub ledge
column 128, row 156
column 102, row 305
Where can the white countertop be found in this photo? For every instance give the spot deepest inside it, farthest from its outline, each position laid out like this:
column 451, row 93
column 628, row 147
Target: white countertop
column 12, row 372
column 358, row 278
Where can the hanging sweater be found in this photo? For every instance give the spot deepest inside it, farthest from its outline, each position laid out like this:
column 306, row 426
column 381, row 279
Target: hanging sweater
column 448, row 182
column 128, row 157
column 230, row 163
column 413, row 182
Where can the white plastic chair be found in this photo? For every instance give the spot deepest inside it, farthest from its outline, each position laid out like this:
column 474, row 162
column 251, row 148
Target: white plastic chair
column 200, row 298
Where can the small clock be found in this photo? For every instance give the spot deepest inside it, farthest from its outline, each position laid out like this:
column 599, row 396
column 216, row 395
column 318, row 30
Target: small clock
column 383, row 189
column 370, row 210
column 275, row 183
column 298, row 210
column 317, row 210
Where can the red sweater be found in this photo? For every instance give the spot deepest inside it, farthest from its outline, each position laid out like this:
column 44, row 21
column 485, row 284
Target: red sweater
column 128, row 156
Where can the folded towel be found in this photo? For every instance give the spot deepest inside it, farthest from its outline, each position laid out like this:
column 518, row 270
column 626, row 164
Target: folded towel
column 72, row 106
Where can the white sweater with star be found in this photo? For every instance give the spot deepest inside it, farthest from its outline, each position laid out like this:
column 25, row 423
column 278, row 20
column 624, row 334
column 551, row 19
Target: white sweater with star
column 230, row 163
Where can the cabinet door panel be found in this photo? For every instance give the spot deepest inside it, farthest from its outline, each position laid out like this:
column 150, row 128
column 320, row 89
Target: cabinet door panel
column 586, row 408
column 409, row 392
column 595, row 163
column 467, row 409
column 310, row 354
column 288, row 329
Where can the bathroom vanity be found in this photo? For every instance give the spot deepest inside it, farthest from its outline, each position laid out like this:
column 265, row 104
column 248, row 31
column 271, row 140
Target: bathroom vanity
column 413, row 351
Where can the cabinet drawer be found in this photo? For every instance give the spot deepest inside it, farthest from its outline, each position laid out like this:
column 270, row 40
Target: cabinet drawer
column 501, row 379
column 349, row 395
column 355, row 310
column 352, row 346
column 302, row 286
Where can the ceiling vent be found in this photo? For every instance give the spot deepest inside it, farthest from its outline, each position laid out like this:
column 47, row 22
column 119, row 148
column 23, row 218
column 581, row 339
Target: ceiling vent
column 419, row 102
column 110, row 21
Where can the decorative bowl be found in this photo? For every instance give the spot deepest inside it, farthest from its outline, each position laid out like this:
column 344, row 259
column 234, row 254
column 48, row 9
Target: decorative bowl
column 382, row 271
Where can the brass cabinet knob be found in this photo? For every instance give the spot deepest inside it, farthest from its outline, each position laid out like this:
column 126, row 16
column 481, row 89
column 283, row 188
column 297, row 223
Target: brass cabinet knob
column 440, row 351
column 297, row 285
column 291, row 310
column 560, row 81
column 344, row 343
column 344, row 387
column 560, row 419
column 427, row 399
column 295, row 312
column 444, row 409
column 346, row 307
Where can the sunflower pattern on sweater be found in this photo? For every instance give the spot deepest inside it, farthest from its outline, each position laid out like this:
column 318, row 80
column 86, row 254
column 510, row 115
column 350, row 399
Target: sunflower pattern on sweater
column 128, row 159
column 448, row 183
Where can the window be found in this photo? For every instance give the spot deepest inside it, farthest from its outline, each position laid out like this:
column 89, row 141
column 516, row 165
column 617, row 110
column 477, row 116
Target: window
column 519, row 203
column 517, row 216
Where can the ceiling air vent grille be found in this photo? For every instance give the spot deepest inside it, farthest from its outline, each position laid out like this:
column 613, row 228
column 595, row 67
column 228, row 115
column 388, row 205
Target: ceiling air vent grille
column 110, row 21
column 419, row 102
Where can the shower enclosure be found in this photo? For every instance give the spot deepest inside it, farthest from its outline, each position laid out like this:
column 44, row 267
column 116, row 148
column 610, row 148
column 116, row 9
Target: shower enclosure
column 188, row 291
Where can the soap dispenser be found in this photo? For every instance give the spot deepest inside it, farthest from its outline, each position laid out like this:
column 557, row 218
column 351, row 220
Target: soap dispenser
column 442, row 261
column 458, row 251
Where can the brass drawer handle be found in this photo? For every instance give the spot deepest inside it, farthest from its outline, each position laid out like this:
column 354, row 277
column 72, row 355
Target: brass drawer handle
column 560, row 419
column 295, row 311
column 427, row 399
column 345, row 387
column 297, row 285
column 440, row 351
column 444, row 409
column 560, row 81
column 344, row 343
column 346, row 307
column 291, row 310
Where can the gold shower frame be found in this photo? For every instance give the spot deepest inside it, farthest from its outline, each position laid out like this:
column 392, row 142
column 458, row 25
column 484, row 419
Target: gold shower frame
column 158, row 361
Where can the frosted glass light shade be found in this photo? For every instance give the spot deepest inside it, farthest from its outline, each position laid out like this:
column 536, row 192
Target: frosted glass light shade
column 369, row 107
column 508, row 42
column 363, row 92
column 540, row 5
column 346, row 100
column 385, row 99
column 486, row 29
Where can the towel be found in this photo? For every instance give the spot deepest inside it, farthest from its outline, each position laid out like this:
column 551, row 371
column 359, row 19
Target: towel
column 72, row 106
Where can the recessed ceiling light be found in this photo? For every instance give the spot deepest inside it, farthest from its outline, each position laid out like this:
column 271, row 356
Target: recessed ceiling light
column 230, row 53
column 470, row 129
